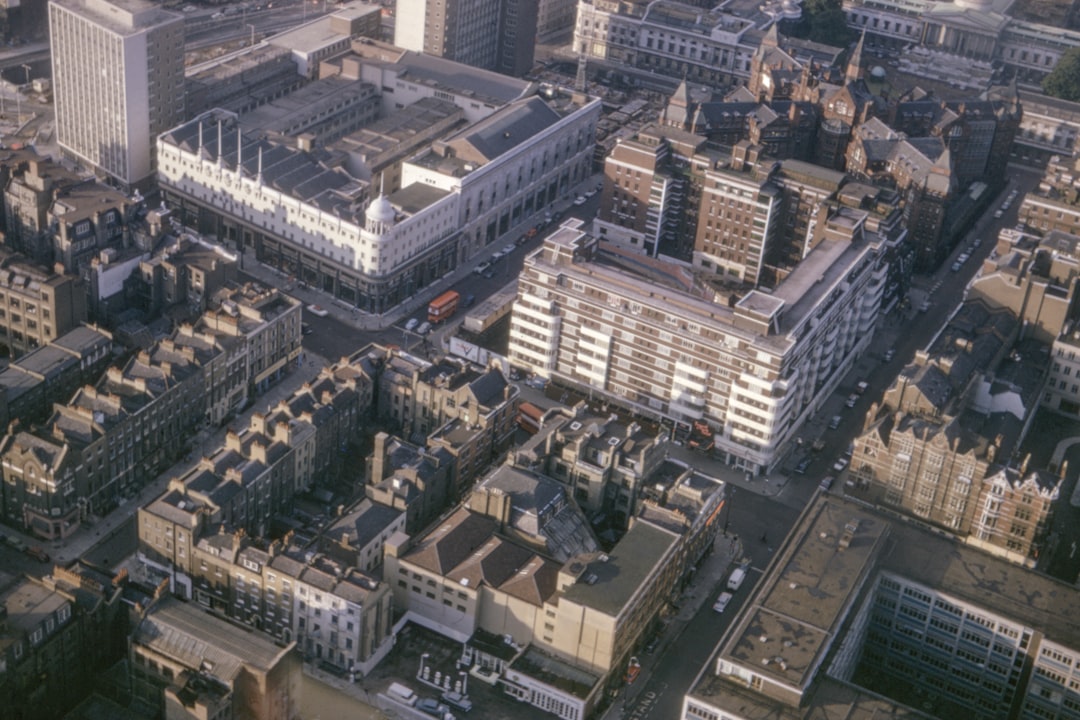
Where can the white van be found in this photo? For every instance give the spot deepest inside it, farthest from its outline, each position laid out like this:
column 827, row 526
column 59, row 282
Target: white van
column 402, row 693
column 736, row 579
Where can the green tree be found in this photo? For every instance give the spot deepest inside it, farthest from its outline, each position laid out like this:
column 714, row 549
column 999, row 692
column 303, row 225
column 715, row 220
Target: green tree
column 830, row 27
column 1064, row 80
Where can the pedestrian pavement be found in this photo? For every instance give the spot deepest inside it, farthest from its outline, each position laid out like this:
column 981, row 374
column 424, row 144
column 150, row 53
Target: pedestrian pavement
column 206, row 441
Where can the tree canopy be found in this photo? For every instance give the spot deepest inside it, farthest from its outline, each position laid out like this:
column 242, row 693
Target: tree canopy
column 830, row 27
column 1064, row 80
column 823, row 21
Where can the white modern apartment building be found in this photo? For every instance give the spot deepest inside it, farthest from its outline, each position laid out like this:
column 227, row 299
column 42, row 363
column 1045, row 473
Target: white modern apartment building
column 656, row 337
column 118, row 81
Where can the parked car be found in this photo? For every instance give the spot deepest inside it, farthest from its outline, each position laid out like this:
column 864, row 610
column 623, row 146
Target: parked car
column 862, row 386
column 840, row 465
column 317, row 310
column 37, row 553
column 978, row 242
column 411, row 324
column 579, row 200
column 457, row 701
column 956, row 266
column 479, row 269
column 305, row 329
column 802, row 467
column 735, row 580
column 890, row 354
column 851, row 400
column 509, row 249
column 998, row 214
column 722, row 602
column 432, row 707
column 925, row 307
column 590, row 192
column 424, row 329
column 964, row 257
column 826, row 483
column 835, row 422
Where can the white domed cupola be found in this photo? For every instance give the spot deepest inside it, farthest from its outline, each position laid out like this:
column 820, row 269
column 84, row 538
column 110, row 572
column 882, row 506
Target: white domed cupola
column 380, row 216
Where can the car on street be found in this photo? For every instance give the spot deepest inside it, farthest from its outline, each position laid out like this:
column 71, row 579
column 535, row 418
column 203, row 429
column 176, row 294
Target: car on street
column 509, row 249
column 317, row 310
column 956, row 266
column 432, row 707
column 964, row 257
column 862, row 386
column 998, row 214
column 650, row 647
column 497, row 256
column 835, row 422
column 735, row 580
column 469, row 301
column 579, row 200
column 424, row 329
column 826, row 483
column 457, row 701
column 411, row 324
column 840, row 465
column 305, row 329
column 488, row 274
column 925, row 307
column 890, row 354
column 851, row 400
column 479, row 269
column 977, row 243
column 802, row 467
column 590, row 192
column 722, row 602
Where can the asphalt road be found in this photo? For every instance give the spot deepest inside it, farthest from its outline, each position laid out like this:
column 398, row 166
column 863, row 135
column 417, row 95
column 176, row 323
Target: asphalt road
column 333, row 339
column 658, row 695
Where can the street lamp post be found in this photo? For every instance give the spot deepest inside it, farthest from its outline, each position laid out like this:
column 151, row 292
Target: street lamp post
column 727, row 513
column 252, row 33
column 27, row 69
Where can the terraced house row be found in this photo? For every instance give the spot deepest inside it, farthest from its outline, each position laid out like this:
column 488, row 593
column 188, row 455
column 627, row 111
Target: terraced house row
column 117, row 434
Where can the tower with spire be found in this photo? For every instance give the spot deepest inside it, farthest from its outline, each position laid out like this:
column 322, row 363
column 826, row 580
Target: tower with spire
column 679, row 109
column 855, row 70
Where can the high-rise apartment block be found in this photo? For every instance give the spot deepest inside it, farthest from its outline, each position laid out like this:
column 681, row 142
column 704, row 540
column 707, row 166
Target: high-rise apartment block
column 494, row 35
column 666, row 343
column 118, row 82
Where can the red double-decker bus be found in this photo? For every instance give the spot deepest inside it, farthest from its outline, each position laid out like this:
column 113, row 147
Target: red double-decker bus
column 443, row 306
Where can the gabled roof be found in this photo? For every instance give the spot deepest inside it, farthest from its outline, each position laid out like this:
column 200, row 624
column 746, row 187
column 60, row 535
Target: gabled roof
column 447, row 546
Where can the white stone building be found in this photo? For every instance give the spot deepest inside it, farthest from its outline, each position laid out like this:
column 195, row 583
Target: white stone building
column 319, row 225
